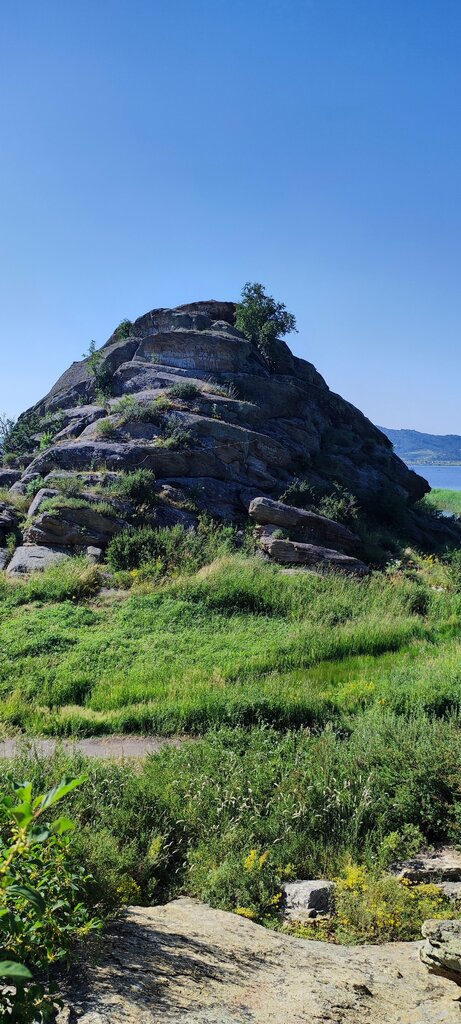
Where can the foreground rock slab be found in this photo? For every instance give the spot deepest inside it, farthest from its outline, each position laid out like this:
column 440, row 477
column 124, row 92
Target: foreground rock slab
column 185, row 962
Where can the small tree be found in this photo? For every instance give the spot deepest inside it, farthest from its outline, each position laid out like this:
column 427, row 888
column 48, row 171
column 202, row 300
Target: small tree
column 261, row 319
column 6, row 427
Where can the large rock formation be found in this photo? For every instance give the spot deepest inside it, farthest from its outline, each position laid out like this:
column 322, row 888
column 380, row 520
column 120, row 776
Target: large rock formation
column 186, row 962
column 238, row 430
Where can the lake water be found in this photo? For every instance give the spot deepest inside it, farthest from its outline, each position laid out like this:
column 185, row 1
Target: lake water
column 440, row 476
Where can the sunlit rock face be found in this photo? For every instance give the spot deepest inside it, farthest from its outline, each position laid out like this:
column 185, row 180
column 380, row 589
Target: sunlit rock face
column 241, row 429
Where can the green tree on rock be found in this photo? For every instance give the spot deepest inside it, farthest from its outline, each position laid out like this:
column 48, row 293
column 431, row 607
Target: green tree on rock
column 262, row 320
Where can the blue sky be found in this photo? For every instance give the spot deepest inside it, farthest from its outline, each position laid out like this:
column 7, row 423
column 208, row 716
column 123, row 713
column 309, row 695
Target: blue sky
column 154, row 153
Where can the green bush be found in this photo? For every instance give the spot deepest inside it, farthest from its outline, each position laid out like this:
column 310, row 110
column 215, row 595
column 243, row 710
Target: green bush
column 174, row 548
column 184, row 390
column 334, row 502
column 123, row 330
column 261, row 319
column 69, row 486
column 198, row 818
column 374, row 907
column 130, row 409
column 137, row 487
column 42, row 898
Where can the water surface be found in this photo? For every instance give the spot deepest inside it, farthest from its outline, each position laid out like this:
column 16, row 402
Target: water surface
column 448, row 477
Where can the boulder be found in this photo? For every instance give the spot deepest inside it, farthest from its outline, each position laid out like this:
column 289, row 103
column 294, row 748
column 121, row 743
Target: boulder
column 4, row 558
column 42, row 495
column 304, row 525
column 94, row 554
column 289, row 552
column 74, row 527
column 306, row 898
column 8, row 521
column 441, row 951
column 9, row 476
column 187, row 962
column 442, row 864
column 32, row 557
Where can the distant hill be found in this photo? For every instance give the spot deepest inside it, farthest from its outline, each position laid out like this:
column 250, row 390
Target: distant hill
column 425, row 449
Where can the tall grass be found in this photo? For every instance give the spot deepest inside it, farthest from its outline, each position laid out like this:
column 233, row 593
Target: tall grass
column 237, row 642
column 187, row 818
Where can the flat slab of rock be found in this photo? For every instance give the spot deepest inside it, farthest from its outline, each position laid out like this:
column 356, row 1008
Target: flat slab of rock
column 186, row 962
column 33, row 557
column 307, row 525
column 307, row 897
column 443, row 864
column 441, row 951
column 290, row 552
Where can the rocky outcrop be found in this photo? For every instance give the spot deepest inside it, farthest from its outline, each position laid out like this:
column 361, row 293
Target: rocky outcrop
column 442, row 864
column 289, row 552
column 304, row 526
column 307, row 898
column 441, row 951
column 31, row 557
column 206, row 414
column 186, row 962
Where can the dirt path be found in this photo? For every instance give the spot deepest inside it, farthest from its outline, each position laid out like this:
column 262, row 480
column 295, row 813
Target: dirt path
column 116, row 747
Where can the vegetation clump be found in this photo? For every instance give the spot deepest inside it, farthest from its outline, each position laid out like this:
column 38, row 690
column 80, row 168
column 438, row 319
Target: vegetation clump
column 42, row 899
column 262, row 320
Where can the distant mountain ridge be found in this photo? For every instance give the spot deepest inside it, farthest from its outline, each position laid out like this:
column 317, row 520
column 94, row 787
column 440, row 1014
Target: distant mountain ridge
column 425, row 449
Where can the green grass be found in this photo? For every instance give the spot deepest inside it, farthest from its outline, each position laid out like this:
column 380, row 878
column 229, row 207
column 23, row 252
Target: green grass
column 186, row 819
column 237, row 642
column 442, row 498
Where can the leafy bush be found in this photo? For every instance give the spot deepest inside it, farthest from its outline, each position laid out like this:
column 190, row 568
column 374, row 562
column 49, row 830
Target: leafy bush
column 101, row 374
column 123, row 330
column 69, row 486
column 105, row 427
column 137, row 487
column 41, row 906
column 130, row 409
column 375, row 907
column 184, row 390
column 261, row 319
column 174, row 548
column 175, row 434
column 334, row 502
column 19, row 438
column 34, row 486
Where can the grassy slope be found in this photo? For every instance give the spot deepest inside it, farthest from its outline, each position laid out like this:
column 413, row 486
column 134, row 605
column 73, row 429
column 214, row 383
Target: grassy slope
column 442, row 498
column 236, row 643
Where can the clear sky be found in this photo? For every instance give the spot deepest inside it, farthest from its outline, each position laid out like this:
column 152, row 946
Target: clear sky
column 159, row 151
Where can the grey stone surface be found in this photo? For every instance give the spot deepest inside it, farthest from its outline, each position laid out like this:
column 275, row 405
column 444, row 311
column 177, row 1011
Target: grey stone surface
column 4, row 558
column 8, row 521
column 186, row 962
column 306, row 897
column 74, row 527
column 303, row 525
column 9, row 477
column 40, row 497
column 32, row 557
column 252, row 428
column 94, row 554
column 452, row 890
column 441, row 864
column 291, row 553
column 441, row 951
